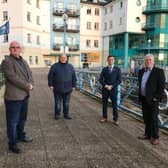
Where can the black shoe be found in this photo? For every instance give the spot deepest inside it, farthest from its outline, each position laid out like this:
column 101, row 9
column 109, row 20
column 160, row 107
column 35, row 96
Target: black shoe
column 26, row 139
column 14, row 149
column 57, row 117
column 68, row 117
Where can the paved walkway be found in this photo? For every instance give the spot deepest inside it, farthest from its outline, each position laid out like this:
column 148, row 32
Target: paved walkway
column 82, row 142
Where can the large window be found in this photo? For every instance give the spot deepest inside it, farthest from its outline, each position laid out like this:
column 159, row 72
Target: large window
column 5, row 38
column 37, row 4
column 105, row 26
column 30, row 60
column 97, row 11
column 88, row 11
column 28, row 16
column 96, row 43
column 36, row 60
column 29, row 40
column 88, row 43
column 88, row 26
column 38, row 40
column 96, row 26
column 38, row 20
column 5, row 15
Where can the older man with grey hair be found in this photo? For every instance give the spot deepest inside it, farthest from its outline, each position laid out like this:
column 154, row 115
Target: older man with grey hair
column 19, row 83
column 151, row 86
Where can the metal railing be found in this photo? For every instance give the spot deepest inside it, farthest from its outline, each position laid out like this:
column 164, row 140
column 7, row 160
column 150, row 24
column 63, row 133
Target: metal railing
column 88, row 82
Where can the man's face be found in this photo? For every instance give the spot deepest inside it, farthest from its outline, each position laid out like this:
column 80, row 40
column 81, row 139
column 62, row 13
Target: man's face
column 15, row 49
column 111, row 60
column 63, row 59
column 149, row 62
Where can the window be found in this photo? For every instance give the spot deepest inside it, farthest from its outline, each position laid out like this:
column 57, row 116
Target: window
column 38, row 20
column 88, row 43
column 5, row 15
column 120, row 21
column 29, row 38
column 36, row 60
column 29, row 1
column 105, row 11
column 28, row 16
column 88, row 26
column 96, row 26
column 111, row 8
column 37, row 4
column 38, row 40
column 121, row 4
column 30, row 59
column 105, row 26
column 88, row 11
column 5, row 38
column 110, row 24
column 4, row 1
column 97, row 11
column 96, row 43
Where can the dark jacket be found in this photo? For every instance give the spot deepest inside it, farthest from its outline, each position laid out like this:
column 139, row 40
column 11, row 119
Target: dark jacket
column 155, row 84
column 62, row 77
column 110, row 78
column 18, row 77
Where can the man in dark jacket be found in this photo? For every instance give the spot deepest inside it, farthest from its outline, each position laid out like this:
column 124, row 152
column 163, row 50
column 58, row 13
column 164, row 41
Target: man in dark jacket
column 19, row 83
column 110, row 78
column 62, row 80
column 151, row 86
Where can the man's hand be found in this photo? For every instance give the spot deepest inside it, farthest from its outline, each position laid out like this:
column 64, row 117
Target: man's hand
column 108, row 87
column 30, row 87
column 51, row 87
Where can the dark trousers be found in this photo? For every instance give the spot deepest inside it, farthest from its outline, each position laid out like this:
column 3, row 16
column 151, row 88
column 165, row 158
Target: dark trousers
column 16, row 116
column 150, row 116
column 113, row 96
column 59, row 98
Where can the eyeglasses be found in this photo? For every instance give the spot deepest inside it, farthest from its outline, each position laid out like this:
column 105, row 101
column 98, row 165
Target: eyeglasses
column 17, row 47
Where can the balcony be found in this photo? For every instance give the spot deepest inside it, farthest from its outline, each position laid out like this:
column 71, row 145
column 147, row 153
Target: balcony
column 73, row 47
column 154, row 46
column 148, row 26
column 57, row 46
column 69, row 28
column 159, row 8
column 69, row 12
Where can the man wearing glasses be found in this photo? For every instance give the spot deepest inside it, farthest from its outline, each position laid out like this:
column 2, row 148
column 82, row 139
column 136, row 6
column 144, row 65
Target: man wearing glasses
column 19, row 83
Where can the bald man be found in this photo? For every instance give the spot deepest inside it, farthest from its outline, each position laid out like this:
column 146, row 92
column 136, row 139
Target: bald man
column 19, row 83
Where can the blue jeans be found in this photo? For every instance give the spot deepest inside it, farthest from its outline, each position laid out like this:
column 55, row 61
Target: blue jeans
column 16, row 116
column 59, row 97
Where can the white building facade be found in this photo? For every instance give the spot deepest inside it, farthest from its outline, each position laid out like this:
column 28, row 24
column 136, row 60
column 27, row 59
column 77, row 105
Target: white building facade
column 29, row 22
column 91, row 33
column 122, row 29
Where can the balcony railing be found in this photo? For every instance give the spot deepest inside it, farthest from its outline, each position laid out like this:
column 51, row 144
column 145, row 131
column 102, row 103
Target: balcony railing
column 71, row 47
column 68, row 11
column 57, row 46
column 69, row 28
column 148, row 26
column 155, row 8
column 154, row 46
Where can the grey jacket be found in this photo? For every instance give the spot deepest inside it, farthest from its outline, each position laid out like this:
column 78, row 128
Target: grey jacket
column 18, row 77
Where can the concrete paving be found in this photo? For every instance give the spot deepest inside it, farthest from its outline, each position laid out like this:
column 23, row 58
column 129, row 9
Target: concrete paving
column 82, row 142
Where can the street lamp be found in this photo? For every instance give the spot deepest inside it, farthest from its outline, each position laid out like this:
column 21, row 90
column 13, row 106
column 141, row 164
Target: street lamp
column 149, row 45
column 65, row 18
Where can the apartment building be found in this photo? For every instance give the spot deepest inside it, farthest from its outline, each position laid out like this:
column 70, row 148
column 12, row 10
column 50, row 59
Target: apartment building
column 91, row 33
column 65, row 28
column 30, row 25
column 122, row 29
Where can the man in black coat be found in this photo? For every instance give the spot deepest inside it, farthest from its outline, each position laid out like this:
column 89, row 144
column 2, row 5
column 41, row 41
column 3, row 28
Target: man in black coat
column 110, row 78
column 151, row 86
column 62, row 80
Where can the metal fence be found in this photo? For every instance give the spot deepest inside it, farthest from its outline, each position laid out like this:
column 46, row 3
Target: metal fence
column 88, row 82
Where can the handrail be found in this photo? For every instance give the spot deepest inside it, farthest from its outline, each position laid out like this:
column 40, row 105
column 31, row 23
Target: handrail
column 88, row 81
